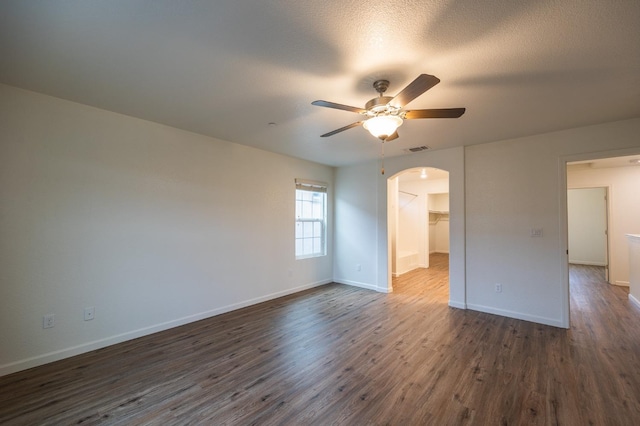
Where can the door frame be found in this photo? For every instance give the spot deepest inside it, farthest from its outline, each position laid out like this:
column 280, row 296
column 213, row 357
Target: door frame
column 563, row 220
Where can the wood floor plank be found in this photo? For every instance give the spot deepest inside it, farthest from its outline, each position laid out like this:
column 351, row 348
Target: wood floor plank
column 344, row 355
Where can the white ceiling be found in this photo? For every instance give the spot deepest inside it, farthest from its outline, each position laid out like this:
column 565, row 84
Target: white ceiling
column 227, row 68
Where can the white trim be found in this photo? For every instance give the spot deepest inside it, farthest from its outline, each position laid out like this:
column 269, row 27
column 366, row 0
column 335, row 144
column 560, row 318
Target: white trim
column 406, row 271
column 457, row 305
column 586, row 263
column 366, row 286
column 633, row 300
column 517, row 315
column 311, row 185
column 621, row 283
column 46, row 358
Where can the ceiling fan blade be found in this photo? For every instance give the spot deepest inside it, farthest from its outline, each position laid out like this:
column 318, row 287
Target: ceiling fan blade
column 339, row 106
column 434, row 113
column 394, row 136
column 416, row 88
column 342, row 129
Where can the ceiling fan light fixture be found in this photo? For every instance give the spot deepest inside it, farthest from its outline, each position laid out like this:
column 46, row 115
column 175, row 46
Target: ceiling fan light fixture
column 382, row 126
column 384, row 114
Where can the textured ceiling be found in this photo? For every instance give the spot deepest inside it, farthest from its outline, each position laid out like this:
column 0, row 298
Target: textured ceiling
column 228, row 68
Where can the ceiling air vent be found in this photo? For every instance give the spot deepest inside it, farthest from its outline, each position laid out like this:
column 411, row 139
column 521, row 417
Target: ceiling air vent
column 417, row 148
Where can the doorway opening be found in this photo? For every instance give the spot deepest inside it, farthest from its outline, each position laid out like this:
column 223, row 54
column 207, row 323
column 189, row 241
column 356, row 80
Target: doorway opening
column 588, row 227
column 418, row 213
column 601, row 209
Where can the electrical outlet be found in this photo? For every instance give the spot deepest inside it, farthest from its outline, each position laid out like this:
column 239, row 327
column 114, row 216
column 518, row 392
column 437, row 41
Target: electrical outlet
column 48, row 321
column 358, row 267
column 498, row 288
column 89, row 313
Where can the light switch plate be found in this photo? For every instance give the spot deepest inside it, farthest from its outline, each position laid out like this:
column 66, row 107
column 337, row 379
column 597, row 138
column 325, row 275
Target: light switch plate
column 536, row 232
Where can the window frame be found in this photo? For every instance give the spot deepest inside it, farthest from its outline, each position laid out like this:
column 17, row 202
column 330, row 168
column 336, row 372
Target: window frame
column 311, row 187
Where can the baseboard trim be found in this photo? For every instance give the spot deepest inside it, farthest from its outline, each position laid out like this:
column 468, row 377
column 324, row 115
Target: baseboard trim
column 361, row 285
column 634, row 300
column 58, row 355
column 457, row 305
column 399, row 274
column 621, row 283
column 517, row 315
column 586, row 263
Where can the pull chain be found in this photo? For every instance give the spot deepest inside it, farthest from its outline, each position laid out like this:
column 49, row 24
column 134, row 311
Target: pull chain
column 382, row 160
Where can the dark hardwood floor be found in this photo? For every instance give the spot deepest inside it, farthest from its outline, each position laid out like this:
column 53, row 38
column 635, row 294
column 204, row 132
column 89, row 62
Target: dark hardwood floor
column 343, row 355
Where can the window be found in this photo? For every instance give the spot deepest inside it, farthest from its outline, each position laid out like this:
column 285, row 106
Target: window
column 311, row 219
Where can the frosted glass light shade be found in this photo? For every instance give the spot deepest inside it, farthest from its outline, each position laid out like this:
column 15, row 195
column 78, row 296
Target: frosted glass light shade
column 382, row 126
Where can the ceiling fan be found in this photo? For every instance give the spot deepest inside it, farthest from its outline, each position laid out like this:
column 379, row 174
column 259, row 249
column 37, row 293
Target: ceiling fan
column 384, row 114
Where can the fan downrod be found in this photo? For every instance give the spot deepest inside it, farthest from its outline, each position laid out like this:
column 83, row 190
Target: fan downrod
column 381, row 86
column 379, row 104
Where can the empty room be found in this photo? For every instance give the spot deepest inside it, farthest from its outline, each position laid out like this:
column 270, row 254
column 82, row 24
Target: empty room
column 280, row 213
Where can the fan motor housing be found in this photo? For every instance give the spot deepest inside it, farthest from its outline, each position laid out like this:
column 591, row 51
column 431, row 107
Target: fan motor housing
column 378, row 104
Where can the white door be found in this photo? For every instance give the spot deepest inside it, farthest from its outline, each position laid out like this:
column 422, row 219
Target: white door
column 587, row 220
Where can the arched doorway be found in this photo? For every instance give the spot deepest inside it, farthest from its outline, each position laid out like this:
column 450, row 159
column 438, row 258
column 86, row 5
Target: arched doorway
column 451, row 160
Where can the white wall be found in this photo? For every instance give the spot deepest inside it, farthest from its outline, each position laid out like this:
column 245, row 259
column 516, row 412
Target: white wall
column 498, row 192
column 357, row 234
column 410, row 221
column 624, row 210
column 634, row 268
column 415, row 233
column 440, row 202
column 393, row 221
column 439, row 228
column 415, row 228
column 517, row 185
column 362, row 222
column 151, row 225
column 441, row 234
column 427, row 237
